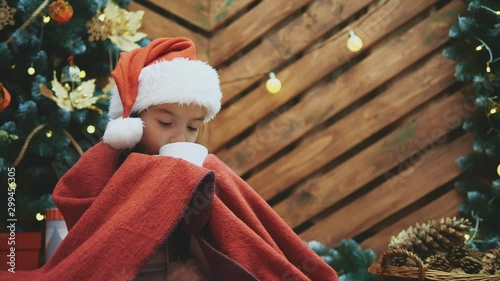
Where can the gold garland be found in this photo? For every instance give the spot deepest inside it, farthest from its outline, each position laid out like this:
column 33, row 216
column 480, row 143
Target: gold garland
column 30, row 136
column 27, row 22
column 26, row 143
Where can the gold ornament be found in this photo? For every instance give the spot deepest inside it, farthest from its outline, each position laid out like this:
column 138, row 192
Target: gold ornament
column 124, row 26
column 81, row 97
column 6, row 14
column 4, row 97
column 60, row 11
column 99, row 28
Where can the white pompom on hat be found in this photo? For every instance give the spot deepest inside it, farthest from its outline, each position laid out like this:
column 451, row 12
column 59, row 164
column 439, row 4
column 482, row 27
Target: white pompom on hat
column 165, row 71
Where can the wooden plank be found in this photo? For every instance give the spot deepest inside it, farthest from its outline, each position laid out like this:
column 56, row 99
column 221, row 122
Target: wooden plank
column 393, row 195
column 258, row 103
column 320, row 17
column 222, row 10
column 444, row 206
column 321, row 192
column 156, row 26
column 395, row 55
column 194, row 11
column 428, row 80
column 250, row 27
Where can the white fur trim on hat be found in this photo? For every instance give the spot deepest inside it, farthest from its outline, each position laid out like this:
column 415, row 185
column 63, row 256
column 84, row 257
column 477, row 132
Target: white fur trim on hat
column 123, row 132
column 180, row 81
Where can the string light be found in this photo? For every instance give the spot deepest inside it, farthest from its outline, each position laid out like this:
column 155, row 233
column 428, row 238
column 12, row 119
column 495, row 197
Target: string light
column 90, row 129
column 102, row 17
column 13, row 185
column 273, row 84
column 493, row 111
column 491, row 10
column 83, row 74
column 479, row 48
column 46, row 19
column 39, row 217
column 31, row 70
column 354, row 43
column 48, row 134
column 498, row 170
column 467, row 237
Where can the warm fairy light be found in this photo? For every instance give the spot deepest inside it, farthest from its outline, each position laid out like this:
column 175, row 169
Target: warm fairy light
column 39, row 217
column 479, row 48
column 49, row 133
column 488, row 69
column 354, row 43
column 46, row 19
column 498, row 170
column 31, row 70
column 467, row 237
column 13, row 66
column 13, row 185
column 83, row 74
column 493, row 111
column 102, row 17
column 90, row 129
column 273, row 84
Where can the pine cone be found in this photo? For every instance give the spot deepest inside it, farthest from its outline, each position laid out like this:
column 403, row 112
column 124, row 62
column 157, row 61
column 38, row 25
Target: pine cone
column 492, row 257
column 470, row 265
column 457, row 254
column 438, row 262
column 431, row 237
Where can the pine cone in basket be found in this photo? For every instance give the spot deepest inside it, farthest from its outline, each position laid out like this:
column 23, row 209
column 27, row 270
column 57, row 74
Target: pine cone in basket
column 492, row 257
column 471, row 265
column 438, row 262
column 402, row 261
column 431, row 237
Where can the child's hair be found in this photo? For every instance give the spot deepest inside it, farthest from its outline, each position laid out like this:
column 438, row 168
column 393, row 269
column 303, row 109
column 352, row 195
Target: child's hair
column 165, row 71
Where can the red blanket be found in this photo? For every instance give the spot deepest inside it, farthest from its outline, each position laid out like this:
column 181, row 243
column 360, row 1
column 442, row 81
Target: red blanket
column 118, row 214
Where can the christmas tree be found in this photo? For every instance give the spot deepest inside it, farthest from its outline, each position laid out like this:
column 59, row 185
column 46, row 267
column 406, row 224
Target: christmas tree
column 476, row 49
column 55, row 63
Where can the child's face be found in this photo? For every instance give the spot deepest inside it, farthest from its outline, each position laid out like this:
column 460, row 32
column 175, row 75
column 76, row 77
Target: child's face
column 168, row 123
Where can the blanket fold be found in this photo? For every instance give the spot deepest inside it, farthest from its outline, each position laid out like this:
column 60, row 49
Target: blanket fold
column 117, row 215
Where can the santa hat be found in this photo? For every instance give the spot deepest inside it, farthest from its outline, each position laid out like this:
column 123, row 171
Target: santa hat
column 165, row 71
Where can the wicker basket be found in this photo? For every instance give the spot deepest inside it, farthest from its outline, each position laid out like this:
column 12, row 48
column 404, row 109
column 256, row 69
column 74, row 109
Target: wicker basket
column 387, row 272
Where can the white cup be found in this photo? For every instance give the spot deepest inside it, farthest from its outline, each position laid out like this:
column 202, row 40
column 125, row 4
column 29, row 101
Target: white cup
column 189, row 151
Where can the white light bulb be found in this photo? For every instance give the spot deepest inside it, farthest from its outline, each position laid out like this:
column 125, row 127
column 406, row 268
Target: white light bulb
column 354, row 43
column 273, row 84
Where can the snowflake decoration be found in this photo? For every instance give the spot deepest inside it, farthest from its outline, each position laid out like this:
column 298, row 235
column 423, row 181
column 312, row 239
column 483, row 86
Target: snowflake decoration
column 99, row 28
column 6, row 15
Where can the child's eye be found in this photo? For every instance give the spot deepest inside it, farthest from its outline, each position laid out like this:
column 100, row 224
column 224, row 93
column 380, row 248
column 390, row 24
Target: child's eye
column 165, row 124
column 194, row 129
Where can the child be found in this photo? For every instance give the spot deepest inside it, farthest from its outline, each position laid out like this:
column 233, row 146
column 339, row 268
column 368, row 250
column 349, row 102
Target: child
column 149, row 217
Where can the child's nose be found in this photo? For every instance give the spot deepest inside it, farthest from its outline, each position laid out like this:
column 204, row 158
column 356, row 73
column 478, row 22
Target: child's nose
column 179, row 136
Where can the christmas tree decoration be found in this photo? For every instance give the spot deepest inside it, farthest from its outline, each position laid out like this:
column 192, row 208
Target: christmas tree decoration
column 70, row 98
column 31, row 70
column 124, row 26
column 475, row 47
column 90, row 129
column 354, row 43
column 6, row 14
column 46, row 19
column 4, row 97
column 61, row 11
column 71, row 73
column 99, row 27
column 273, row 84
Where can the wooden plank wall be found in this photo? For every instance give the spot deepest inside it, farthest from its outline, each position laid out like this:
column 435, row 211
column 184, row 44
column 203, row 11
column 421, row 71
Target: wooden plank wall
column 356, row 145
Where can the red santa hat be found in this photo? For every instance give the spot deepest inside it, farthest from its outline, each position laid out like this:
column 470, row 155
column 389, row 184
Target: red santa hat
column 165, row 71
